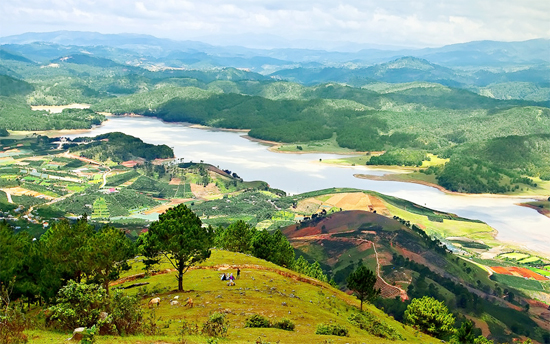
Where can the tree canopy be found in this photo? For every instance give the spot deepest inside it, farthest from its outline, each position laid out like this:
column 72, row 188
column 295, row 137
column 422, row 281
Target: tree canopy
column 430, row 316
column 237, row 237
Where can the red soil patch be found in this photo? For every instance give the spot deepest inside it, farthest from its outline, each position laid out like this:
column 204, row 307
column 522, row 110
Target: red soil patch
column 364, row 246
column 515, row 271
column 536, row 303
column 412, row 256
column 131, row 163
column 303, row 232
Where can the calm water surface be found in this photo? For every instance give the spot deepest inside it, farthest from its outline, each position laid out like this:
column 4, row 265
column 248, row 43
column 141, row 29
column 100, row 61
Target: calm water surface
column 296, row 173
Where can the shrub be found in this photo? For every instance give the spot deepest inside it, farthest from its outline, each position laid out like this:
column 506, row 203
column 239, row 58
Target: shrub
column 88, row 336
column 78, row 304
column 284, row 324
column 126, row 313
column 189, row 328
column 12, row 325
column 332, row 329
column 215, row 326
column 369, row 323
column 257, row 320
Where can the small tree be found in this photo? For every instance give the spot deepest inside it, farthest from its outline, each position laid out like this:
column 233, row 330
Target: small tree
column 362, row 282
column 430, row 316
column 179, row 236
column 465, row 334
column 237, row 237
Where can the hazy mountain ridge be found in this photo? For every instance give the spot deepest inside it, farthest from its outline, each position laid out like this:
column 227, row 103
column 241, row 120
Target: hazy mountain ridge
column 480, row 53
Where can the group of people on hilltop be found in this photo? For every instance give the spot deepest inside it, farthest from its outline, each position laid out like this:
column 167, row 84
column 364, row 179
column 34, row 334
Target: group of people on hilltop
column 230, row 277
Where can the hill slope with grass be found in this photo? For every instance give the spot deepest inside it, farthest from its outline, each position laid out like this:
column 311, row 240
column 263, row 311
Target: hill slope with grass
column 263, row 289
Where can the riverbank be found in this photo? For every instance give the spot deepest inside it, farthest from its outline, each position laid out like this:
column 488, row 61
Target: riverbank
column 540, row 207
column 401, row 172
column 19, row 134
column 318, row 147
column 59, row 108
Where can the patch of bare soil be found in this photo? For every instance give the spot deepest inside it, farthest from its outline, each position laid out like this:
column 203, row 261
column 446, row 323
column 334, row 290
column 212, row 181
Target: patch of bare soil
column 308, row 206
column 201, row 191
column 175, row 181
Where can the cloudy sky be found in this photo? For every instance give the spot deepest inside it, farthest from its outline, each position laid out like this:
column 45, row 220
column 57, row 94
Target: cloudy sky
column 414, row 23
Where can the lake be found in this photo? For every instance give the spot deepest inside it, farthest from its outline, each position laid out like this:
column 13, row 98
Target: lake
column 296, row 173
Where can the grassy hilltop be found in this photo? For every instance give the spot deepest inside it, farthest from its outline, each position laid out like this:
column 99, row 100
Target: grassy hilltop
column 263, row 288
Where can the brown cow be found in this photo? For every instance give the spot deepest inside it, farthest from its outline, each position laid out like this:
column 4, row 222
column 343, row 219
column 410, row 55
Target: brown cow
column 189, row 302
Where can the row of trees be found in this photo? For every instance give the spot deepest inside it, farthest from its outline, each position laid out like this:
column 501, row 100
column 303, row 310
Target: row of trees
column 65, row 252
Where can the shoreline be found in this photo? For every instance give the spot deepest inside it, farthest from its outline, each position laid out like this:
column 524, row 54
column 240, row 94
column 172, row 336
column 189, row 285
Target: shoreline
column 387, row 177
column 273, row 146
column 543, row 212
column 59, row 108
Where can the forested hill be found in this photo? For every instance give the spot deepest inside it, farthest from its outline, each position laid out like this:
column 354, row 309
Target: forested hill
column 120, row 147
column 13, row 87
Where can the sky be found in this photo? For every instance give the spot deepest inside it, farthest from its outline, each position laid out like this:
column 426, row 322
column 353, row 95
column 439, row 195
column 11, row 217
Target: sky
column 414, row 23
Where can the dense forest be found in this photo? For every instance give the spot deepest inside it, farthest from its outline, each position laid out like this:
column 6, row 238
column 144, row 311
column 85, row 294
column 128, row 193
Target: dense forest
column 120, row 147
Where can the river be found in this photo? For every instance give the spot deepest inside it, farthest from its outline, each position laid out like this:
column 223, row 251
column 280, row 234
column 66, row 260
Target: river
column 296, row 173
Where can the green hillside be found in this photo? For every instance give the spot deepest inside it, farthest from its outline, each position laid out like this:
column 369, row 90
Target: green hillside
column 410, row 263
column 120, row 147
column 263, row 288
column 12, row 87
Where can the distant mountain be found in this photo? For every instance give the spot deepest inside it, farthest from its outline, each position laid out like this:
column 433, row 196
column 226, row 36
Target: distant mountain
column 473, row 54
column 490, row 53
column 88, row 60
column 6, row 55
column 405, row 69
column 123, row 41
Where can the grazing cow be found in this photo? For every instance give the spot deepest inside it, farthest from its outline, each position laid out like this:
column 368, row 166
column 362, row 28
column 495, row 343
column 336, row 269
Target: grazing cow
column 189, row 302
column 154, row 301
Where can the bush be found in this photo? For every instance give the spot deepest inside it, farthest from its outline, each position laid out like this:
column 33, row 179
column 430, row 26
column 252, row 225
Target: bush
column 215, row 326
column 257, row 320
column 88, row 336
column 372, row 325
column 332, row 330
column 284, row 324
column 126, row 313
column 12, row 325
column 78, row 304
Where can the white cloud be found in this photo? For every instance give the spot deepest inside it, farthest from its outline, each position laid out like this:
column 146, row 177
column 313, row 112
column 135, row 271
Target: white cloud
column 416, row 22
